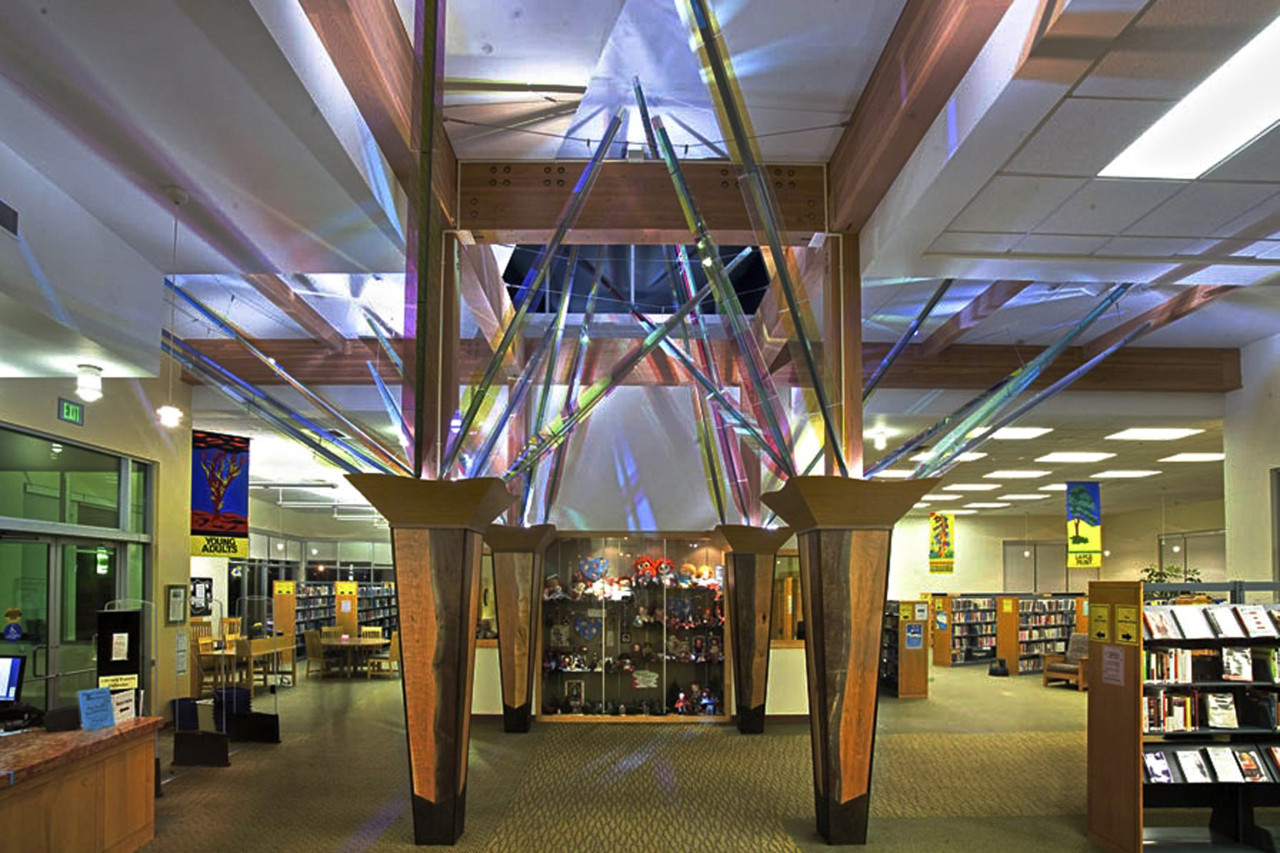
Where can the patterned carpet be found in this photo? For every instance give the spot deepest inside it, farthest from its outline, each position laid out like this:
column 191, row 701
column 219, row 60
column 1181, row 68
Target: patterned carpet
column 339, row 782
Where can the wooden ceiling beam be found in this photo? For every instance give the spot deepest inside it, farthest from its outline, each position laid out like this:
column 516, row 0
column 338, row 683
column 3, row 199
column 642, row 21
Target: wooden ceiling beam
column 928, row 53
column 373, row 53
column 520, row 201
column 297, row 309
column 1192, row 299
column 986, row 303
column 965, row 367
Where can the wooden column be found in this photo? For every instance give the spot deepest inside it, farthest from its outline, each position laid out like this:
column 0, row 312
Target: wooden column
column 842, row 317
column 843, row 527
column 749, row 570
column 436, row 530
column 518, row 563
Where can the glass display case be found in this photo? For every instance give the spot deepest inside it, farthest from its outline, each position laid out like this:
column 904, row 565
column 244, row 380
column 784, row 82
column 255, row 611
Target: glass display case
column 634, row 626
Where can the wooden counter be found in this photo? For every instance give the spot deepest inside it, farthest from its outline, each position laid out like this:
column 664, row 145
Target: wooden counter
column 79, row 791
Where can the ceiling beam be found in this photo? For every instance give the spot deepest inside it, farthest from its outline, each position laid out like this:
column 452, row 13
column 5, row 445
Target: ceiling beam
column 986, row 303
column 976, row 367
column 929, row 51
column 1171, row 310
column 297, row 309
column 371, row 49
column 519, row 201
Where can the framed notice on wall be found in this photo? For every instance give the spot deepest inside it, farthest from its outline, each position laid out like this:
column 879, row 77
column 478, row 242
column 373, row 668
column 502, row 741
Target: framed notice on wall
column 175, row 604
column 201, row 596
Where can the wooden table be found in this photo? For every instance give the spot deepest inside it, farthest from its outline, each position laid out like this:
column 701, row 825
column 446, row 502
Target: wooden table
column 79, row 790
column 352, row 644
column 224, row 661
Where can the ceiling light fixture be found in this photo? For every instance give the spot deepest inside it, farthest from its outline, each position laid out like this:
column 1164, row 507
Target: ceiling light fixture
column 89, row 382
column 1123, row 475
column 1153, row 434
column 1072, row 456
column 170, row 416
column 964, row 512
column 943, row 497
column 1020, row 433
column 1017, row 474
column 1233, row 107
column 1023, row 497
column 963, row 457
column 1054, row 487
column 987, row 505
column 1194, row 457
column 971, row 487
column 893, row 474
column 880, row 438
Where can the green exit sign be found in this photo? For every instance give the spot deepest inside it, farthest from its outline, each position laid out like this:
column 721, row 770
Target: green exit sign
column 71, row 411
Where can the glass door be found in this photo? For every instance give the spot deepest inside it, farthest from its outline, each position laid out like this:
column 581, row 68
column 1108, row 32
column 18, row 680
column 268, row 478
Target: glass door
column 24, row 604
column 86, row 577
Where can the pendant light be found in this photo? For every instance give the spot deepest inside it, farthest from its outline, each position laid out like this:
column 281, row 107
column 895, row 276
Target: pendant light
column 89, row 382
column 169, row 415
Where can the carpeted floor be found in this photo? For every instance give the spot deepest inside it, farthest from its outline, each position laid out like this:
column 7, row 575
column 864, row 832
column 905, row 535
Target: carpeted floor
column 984, row 765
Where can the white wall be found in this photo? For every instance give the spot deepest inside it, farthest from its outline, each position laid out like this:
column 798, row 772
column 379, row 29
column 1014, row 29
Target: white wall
column 1252, row 445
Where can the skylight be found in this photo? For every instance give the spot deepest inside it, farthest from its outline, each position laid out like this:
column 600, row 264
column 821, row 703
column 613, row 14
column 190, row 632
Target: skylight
column 1232, row 107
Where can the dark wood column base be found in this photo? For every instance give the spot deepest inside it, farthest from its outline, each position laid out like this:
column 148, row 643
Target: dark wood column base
column 441, row 822
column 751, row 720
column 843, row 823
column 516, row 720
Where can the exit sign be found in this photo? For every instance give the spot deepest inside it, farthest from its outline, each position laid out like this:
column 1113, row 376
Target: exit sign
column 71, row 411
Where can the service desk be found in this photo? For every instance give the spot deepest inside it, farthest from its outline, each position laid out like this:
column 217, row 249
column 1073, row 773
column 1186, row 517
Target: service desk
column 79, row 791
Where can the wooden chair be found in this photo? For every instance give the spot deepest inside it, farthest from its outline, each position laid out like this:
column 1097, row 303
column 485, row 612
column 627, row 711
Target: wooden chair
column 316, row 658
column 201, row 628
column 1071, row 667
column 230, row 627
column 370, row 632
column 332, row 632
column 252, row 666
column 388, row 662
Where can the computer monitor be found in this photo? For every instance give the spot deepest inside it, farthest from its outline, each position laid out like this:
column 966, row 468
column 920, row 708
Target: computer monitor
column 10, row 679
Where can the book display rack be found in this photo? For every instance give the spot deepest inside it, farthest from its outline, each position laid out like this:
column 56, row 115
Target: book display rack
column 1028, row 627
column 964, row 630
column 904, row 658
column 317, row 606
column 1182, row 713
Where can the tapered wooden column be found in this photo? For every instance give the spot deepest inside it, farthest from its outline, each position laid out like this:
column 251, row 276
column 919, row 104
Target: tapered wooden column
column 436, row 530
column 749, row 569
column 518, row 554
column 843, row 528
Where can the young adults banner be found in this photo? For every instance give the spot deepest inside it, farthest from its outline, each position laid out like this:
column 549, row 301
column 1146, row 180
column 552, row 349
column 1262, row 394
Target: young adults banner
column 942, row 543
column 219, row 495
column 1084, row 525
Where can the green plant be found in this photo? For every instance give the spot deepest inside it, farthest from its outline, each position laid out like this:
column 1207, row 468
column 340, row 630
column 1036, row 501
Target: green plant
column 1154, row 573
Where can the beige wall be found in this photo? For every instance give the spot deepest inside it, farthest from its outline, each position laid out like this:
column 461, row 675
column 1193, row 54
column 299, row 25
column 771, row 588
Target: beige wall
column 123, row 422
column 1251, row 440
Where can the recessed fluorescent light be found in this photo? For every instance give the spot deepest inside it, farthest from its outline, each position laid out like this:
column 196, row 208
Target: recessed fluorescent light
column 1023, row 497
column 920, row 505
column 1020, row 433
column 1054, row 487
column 1230, row 109
column 1123, row 475
column 1153, row 434
column 963, row 512
column 963, row 457
column 943, row 497
column 893, row 474
column 1195, row 457
column 1017, row 474
column 1070, row 456
column 971, row 487
column 987, row 505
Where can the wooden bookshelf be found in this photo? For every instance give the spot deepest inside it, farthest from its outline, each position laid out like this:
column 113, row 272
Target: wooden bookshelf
column 940, row 603
column 1123, row 692
column 904, row 656
column 972, row 629
column 1030, row 626
column 346, row 614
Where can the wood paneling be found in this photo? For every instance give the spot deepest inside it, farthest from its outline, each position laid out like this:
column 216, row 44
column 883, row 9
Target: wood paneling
column 518, row 565
column 928, row 53
column 1171, row 310
column 520, row 201
column 983, row 306
column 941, row 637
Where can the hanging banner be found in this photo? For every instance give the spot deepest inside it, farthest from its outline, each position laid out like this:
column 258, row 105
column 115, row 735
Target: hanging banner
column 942, row 543
column 219, row 495
column 1084, row 525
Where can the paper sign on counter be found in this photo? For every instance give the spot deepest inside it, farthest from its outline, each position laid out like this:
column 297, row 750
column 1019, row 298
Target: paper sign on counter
column 96, row 709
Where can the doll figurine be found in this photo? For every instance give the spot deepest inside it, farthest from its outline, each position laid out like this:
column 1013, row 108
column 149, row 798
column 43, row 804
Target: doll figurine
column 642, row 616
column 552, row 590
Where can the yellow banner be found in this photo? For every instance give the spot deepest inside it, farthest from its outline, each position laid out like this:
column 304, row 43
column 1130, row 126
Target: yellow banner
column 1084, row 525
column 219, row 546
column 942, row 543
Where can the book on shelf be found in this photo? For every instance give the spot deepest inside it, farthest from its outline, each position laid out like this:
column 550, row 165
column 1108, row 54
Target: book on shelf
column 1223, row 618
column 1255, row 620
column 1220, row 711
column 1158, row 767
column 1250, row 765
column 1194, row 769
column 1224, row 764
column 1260, row 708
column 1172, row 666
column 1191, row 619
column 1275, row 754
column 1237, row 664
column 1159, row 623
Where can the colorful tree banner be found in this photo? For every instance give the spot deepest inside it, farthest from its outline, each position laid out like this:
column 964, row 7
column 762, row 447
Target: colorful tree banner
column 1084, row 525
column 942, row 543
column 219, row 495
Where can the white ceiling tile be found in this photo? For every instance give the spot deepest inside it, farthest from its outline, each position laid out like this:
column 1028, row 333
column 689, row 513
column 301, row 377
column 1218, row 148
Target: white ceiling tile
column 1201, row 209
column 1060, row 244
column 1257, row 222
column 1147, row 246
column 1174, row 46
column 1083, row 135
column 1107, row 206
column 969, row 241
column 1259, row 161
column 1014, row 203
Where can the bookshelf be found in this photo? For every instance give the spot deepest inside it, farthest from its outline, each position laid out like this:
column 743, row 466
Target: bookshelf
column 1174, row 715
column 904, row 655
column 318, row 604
column 1030, row 626
column 972, row 630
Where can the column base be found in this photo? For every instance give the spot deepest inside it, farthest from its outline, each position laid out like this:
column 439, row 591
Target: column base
column 843, row 823
column 751, row 720
column 516, row 720
column 439, row 823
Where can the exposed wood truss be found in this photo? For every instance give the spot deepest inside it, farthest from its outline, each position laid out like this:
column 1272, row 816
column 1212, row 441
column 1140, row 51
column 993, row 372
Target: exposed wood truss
column 983, row 306
column 1171, row 310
